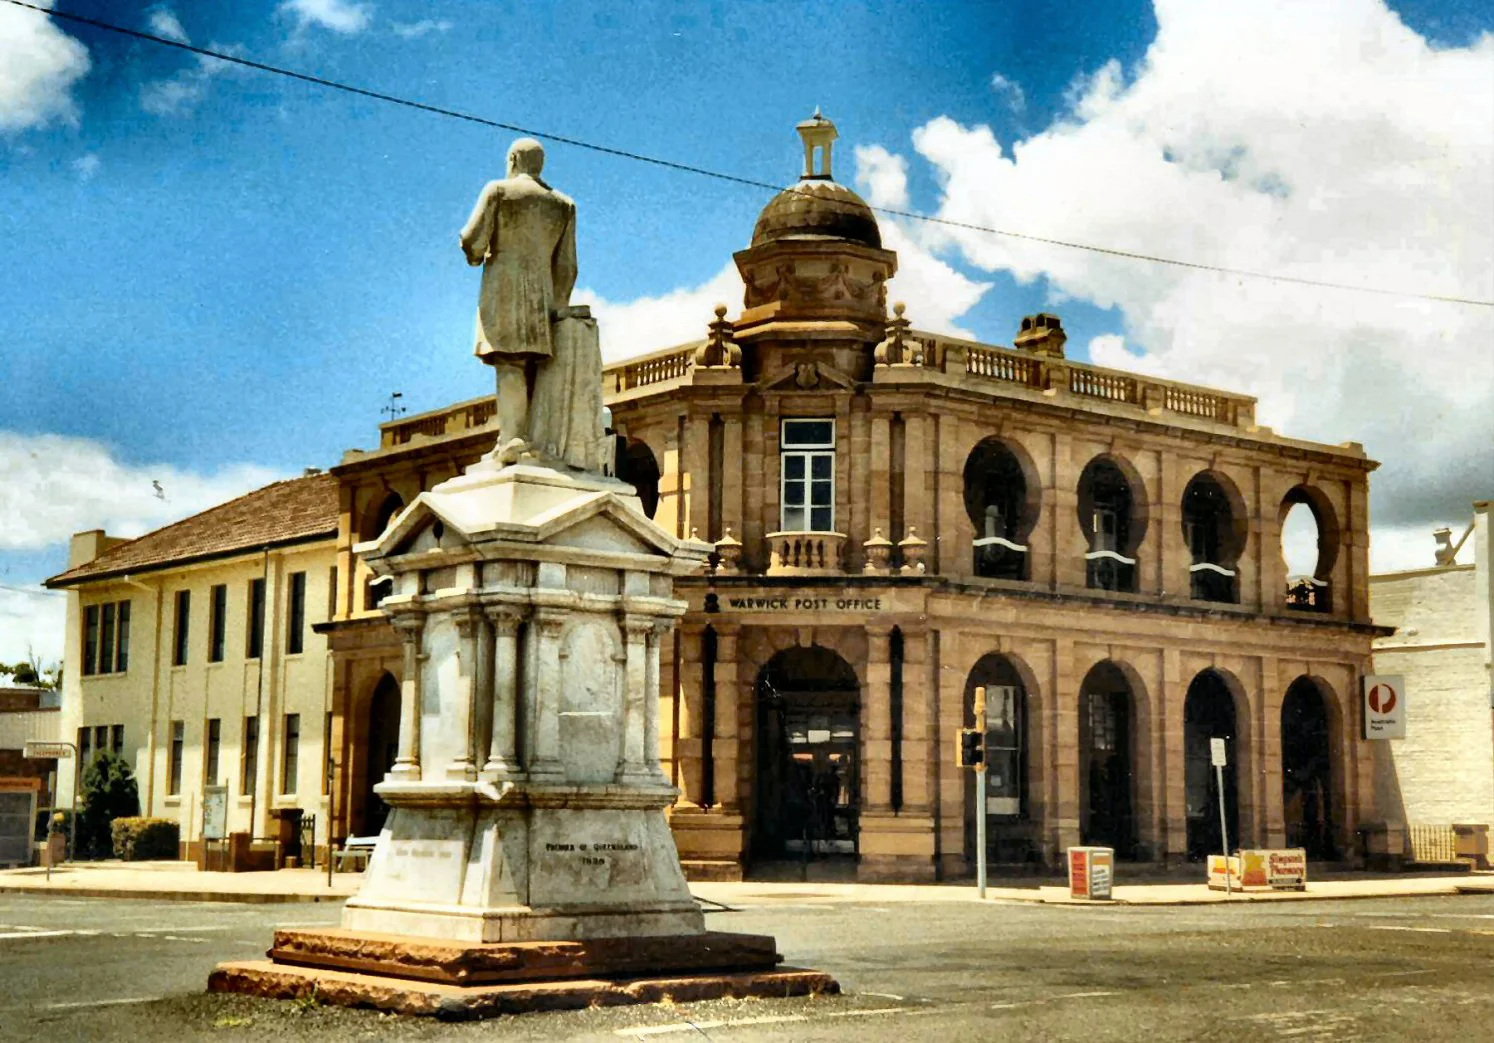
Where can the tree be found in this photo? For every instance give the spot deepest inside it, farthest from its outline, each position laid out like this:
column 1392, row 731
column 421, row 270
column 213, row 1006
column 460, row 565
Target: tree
column 31, row 671
column 109, row 792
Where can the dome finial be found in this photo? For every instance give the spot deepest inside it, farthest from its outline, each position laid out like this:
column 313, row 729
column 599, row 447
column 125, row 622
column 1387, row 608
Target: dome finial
column 818, row 133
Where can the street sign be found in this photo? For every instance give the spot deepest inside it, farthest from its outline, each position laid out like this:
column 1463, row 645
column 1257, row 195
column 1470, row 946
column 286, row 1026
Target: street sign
column 1384, row 706
column 1217, row 757
column 41, row 751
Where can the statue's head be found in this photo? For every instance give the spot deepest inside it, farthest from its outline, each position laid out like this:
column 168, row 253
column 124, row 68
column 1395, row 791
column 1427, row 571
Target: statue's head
column 526, row 156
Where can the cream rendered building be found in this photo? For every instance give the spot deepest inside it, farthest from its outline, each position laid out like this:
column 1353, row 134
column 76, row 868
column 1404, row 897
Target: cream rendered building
column 166, row 665
column 1442, row 772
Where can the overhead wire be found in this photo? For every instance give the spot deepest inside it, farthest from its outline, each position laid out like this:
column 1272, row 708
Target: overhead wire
column 717, row 175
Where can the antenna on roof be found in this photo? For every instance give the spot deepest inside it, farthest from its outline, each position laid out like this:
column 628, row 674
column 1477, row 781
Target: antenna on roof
column 394, row 410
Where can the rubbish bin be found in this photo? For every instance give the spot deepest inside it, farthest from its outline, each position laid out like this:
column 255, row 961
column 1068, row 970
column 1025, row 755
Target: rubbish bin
column 1091, row 870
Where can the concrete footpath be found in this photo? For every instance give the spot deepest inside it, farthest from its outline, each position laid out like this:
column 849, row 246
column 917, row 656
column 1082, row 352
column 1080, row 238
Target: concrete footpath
column 181, row 881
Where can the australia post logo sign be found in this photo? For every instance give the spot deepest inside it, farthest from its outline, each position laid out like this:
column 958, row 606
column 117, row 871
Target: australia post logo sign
column 1384, row 706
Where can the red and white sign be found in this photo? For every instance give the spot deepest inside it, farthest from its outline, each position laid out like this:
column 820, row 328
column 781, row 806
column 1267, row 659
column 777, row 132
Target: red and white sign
column 1384, row 706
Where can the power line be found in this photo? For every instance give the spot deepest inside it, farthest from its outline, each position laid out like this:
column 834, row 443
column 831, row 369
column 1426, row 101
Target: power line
column 686, row 168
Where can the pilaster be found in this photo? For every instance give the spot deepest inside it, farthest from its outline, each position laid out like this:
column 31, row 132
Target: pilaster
column 409, row 626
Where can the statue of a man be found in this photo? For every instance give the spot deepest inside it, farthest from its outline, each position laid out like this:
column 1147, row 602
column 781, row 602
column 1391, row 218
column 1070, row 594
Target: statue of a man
column 524, row 234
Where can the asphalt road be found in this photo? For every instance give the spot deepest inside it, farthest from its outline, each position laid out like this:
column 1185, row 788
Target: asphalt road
column 1384, row 969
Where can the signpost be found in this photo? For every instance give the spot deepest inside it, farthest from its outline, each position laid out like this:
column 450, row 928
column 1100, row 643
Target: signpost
column 1384, row 706
column 35, row 749
column 1218, row 756
column 980, row 792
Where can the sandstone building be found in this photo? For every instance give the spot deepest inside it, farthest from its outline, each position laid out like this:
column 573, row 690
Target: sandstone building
column 898, row 518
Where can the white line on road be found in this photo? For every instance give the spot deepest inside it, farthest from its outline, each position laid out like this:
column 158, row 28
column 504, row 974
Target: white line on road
column 1417, row 930
column 40, row 933
column 101, row 1003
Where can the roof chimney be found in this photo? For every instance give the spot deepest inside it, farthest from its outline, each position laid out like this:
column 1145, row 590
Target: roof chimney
column 1042, row 334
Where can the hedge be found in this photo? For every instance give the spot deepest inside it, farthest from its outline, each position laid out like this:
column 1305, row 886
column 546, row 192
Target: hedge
column 144, row 839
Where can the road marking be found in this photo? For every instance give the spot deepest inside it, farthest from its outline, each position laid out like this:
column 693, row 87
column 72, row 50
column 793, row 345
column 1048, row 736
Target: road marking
column 701, row 1026
column 38, row 932
column 145, row 932
column 101, row 1003
column 1416, row 930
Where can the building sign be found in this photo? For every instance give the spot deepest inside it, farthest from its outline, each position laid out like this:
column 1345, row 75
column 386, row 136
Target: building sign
column 855, row 604
column 42, row 751
column 1384, row 706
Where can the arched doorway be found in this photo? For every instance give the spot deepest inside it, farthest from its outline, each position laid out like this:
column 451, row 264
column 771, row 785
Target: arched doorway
column 1112, row 514
column 1106, row 767
column 1215, row 529
column 1209, row 713
column 1309, row 547
column 636, row 464
column 379, row 752
column 375, row 521
column 1307, row 770
column 1009, row 836
column 808, row 748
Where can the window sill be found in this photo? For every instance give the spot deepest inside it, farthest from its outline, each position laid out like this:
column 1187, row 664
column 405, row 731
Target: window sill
column 174, row 801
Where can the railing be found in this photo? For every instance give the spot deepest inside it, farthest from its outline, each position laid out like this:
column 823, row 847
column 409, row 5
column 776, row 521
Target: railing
column 998, row 365
column 1203, row 404
column 479, row 413
column 656, row 370
column 430, row 426
column 1098, row 384
column 806, row 553
column 1432, row 844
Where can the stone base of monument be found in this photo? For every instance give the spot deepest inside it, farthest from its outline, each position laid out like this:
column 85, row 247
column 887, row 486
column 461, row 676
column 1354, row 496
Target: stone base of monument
column 427, row 976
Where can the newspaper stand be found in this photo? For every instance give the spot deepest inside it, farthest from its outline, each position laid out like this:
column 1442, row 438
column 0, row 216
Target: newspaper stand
column 1091, row 871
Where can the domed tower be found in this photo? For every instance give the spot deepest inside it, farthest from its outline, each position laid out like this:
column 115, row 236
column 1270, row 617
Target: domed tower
column 816, row 273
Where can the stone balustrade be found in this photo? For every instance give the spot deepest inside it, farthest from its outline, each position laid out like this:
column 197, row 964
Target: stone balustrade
column 806, row 553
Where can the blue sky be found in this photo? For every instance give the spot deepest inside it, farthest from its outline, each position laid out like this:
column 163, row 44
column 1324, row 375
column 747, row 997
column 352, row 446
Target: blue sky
column 213, row 276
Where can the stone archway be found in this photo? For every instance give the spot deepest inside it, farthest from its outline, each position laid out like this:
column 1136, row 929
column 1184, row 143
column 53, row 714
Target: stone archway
column 807, row 793
column 1307, row 777
column 1010, row 832
column 1209, row 712
column 1107, row 759
column 382, row 744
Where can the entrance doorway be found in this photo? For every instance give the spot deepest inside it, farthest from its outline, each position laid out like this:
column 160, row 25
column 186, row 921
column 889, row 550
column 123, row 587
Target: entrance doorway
column 1209, row 713
column 1105, row 761
column 379, row 753
column 1009, row 833
column 808, row 749
column 1307, row 770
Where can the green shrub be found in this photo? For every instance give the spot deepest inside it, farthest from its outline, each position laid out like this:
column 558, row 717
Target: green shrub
column 144, row 839
column 109, row 792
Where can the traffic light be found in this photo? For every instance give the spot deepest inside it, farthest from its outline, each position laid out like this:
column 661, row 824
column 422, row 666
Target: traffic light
column 972, row 750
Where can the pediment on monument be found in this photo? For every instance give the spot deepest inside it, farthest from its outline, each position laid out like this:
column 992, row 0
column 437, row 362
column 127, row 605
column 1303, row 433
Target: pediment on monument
column 538, row 509
column 807, row 376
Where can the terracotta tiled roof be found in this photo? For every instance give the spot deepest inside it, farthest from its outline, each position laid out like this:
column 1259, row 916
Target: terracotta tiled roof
column 291, row 511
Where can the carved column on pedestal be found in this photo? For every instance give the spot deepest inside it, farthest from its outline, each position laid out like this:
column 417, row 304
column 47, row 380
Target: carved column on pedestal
column 656, row 637
column 543, row 717
column 406, row 767
column 636, row 695
column 469, row 625
column 503, row 759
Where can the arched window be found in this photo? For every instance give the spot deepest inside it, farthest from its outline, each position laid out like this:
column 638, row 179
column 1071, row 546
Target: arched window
column 375, row 521
column 1112, row 517
column 1214, row 528
column 1003, row 507
column 636, row 464
column 1309, row 546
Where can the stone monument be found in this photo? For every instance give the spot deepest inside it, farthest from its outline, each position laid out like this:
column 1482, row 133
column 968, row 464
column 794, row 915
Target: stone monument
column 527, row 860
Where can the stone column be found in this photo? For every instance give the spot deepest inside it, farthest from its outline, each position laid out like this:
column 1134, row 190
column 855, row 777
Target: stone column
column 1272, row 827
column 407, row 762
column 725, row 741
column 1064, row 713
column 876, row 722
column 636, row 694
column 690, row 743
column 463, row 708
column 543, row 710
column 503, row 759
column 1172, row 770
column 658, row 635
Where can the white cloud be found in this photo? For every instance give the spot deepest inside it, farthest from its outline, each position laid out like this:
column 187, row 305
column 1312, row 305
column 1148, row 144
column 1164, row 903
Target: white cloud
column 882, row 177
column 341, row 16
column 164, row 22
column 86, row 166
column 39, row 67
column 1011, row 90
column 57, row 485
column 1321, row 140
column 414, row 30
column 648, row 324
column 32, row 620
column 179, row 95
